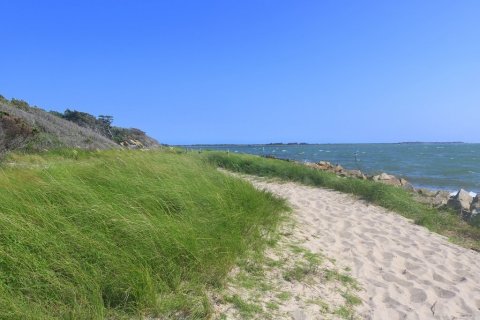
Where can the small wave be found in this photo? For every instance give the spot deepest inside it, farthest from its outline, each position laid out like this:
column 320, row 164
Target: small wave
column 471, row 193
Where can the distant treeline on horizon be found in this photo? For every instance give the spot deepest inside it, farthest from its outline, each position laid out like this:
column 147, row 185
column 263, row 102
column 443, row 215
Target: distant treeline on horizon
column 312, row 144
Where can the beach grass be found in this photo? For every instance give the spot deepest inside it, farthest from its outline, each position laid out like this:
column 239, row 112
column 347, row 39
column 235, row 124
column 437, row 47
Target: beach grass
column 444, row 222
column 122, row 234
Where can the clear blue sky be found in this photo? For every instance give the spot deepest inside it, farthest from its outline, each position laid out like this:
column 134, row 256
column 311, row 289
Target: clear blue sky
column 237, row 71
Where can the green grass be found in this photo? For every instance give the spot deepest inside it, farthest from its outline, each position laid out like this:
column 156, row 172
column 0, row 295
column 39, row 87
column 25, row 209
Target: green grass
column 344, row 312
column 122, row 234
column 303, row 268
column 246, row 309
column 351, row 299
column 284, row 296
column 390, row 197
column 347, row 280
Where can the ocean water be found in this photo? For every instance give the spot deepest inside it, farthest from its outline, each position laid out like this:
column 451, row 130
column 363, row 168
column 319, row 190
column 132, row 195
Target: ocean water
column 446, row 166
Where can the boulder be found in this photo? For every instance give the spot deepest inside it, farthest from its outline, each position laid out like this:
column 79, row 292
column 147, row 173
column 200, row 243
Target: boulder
column 441, row 198
column 406, row 185
column 475, row 206
column 475, row 211
column 354, row 174
column 324, row 165
column 390, row 180
column 461, row 201
column 427, row 193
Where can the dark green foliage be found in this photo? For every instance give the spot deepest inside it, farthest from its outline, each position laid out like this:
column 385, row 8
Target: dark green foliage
column 390, row 197
column 102, row 124
column 21, row 104
column 120, row 135
column 56, row 113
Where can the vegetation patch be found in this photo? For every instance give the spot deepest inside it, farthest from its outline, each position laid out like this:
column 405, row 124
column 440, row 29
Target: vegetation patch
column 122, row 234
column 246, row 309
column 288, row 277
column 393, row 198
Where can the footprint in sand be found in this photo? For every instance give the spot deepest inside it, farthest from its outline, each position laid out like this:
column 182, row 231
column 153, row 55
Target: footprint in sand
column 442, row 293
column 417, row 295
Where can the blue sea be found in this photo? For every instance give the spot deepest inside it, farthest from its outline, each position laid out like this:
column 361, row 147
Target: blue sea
column 447, row 166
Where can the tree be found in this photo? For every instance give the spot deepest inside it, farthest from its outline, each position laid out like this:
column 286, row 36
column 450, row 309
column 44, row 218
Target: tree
column 106, row 120
column 106, row 124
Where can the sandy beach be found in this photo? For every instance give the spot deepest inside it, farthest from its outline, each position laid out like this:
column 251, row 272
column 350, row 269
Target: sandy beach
column 405, row 271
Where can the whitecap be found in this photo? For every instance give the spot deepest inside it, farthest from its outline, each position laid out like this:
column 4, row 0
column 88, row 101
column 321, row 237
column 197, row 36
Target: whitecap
column 471, row 193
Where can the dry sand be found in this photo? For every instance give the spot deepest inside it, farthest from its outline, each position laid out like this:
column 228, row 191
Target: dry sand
column 406, row 272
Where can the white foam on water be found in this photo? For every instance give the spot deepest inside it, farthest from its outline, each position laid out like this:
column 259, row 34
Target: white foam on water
column 471, row 193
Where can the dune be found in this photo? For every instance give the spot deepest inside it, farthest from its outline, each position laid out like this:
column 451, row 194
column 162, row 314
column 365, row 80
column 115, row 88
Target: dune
column 406, row 271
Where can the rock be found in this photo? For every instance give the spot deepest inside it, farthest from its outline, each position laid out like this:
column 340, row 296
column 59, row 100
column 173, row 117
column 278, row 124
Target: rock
column 475, row 206
column 475, row 211
column 427, row 193
column 324, row 165
column 441, row 198
column 338, row 168
column 383, row 176
column 390, row 180
column 437, row 199
column 406, row 185
column 461, row 201
column 356, row 174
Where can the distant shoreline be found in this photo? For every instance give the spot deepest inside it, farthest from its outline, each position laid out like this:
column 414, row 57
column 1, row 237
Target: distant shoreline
column 433, row 165
column 314, row 144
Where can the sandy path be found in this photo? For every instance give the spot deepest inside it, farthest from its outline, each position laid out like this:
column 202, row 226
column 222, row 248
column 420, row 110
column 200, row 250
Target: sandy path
column 406, row 271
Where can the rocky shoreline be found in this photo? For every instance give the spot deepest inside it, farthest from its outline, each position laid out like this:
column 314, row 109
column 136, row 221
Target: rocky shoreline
column 466, row 204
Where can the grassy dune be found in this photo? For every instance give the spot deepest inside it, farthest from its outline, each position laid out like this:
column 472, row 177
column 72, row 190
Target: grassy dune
column 116, row 234
column 396, row 199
